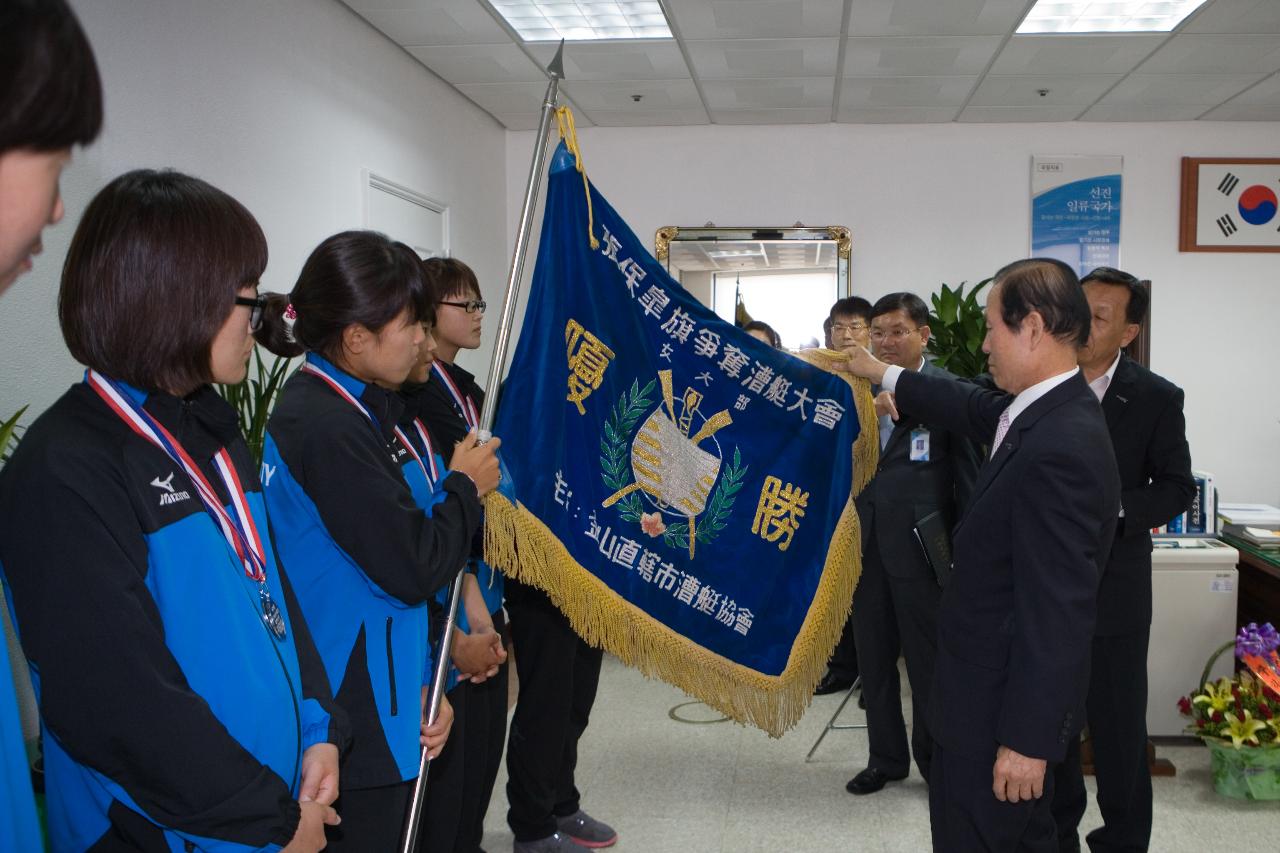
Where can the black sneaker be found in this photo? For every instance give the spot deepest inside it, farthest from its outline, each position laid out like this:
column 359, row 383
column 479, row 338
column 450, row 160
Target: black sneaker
column 555, row 843
column 586, row 830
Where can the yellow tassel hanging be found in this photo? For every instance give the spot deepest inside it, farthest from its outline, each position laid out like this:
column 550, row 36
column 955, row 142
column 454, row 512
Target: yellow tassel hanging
column 569, row 133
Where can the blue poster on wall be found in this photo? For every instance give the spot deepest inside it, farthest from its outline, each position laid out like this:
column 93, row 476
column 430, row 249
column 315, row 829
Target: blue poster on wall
column 1075, row 210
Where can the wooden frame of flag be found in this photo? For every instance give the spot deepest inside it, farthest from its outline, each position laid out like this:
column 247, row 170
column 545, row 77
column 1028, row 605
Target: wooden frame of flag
column 1229, row 204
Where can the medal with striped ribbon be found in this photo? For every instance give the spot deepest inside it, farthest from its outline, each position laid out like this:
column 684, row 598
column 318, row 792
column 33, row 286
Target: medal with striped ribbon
column 239, row 530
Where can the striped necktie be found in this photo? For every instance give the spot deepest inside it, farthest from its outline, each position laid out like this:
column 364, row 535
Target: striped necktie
column 1001, row 430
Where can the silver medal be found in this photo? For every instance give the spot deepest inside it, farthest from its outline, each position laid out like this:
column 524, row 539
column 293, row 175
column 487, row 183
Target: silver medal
column 271, row 614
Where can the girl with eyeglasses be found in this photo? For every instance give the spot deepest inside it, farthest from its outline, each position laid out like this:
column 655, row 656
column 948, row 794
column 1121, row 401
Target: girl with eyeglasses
column 558, row 672
column 340, row 475
column 448, row 404
column 182, row 700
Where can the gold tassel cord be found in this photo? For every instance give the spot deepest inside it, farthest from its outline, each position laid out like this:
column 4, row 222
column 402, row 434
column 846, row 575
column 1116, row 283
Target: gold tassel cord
column 569, row 133
column 523, row 547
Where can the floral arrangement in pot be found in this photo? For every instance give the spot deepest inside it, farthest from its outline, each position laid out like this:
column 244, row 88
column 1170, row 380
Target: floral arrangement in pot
column 1238, row 717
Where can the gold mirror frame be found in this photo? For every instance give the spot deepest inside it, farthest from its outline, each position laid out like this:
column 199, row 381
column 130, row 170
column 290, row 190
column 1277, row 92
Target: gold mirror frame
column 838, row 234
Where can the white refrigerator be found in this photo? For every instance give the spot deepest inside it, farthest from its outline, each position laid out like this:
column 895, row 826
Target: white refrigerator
column 1194, row 586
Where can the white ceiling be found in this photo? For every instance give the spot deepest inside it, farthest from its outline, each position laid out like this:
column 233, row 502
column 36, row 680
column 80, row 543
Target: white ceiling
column 741, row 255
column 857, row 61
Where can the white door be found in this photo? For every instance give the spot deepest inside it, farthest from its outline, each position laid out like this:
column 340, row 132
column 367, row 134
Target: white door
column 407, row 215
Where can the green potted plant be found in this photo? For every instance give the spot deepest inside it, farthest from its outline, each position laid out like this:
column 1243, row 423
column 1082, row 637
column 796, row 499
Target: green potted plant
column 252, row 399
column 957, row 327
column 1238, row 718
column 9, row 434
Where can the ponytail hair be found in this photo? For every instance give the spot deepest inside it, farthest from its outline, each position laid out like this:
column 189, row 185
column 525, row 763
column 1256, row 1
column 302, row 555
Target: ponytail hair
column 276, row 330
column 356, row 277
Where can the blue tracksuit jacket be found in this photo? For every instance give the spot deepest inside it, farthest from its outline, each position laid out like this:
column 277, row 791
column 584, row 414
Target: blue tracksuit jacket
column 363, row 556
column 172, row 718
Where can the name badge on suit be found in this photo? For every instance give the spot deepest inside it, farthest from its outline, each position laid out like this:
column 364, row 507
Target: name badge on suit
column 920, row 445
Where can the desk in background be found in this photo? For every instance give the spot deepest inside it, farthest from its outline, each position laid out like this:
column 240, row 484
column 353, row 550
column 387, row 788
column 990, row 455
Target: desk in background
column 1259, row 568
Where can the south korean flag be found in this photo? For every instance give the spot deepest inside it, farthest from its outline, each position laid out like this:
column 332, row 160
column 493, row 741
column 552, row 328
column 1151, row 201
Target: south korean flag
column 1237, row 204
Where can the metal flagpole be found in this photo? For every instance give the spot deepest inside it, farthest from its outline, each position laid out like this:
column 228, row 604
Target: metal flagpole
column 409, row 838
column 556, row 71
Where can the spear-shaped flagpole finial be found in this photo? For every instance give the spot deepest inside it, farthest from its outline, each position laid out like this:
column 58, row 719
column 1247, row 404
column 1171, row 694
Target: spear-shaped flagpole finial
column 556, row 67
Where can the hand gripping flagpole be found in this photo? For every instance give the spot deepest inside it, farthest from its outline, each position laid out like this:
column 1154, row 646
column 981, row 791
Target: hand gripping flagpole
column 409, row 838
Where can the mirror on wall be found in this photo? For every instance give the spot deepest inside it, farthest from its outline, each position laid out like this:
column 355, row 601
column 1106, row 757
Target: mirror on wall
column 787, row 277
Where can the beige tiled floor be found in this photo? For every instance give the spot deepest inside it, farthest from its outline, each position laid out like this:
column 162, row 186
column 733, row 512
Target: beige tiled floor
column 671, row 787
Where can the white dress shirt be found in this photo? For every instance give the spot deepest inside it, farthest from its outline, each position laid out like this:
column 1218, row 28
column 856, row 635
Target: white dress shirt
column 1100, row 385
column 1020, row 402
column 886, row 421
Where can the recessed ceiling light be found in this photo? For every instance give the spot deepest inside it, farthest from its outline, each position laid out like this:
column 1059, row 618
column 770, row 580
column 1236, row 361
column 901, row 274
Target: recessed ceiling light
column 735, row 253
column 1107, row 16
column 584, row 20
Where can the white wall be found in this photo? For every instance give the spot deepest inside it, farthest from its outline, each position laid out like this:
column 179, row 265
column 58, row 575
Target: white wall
column 940, row 203
column 281, row 104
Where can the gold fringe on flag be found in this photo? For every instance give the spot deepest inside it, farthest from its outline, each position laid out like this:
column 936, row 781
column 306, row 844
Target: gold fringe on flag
column 519, row 544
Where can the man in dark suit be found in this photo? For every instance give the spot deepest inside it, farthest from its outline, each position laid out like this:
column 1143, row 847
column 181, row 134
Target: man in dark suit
column 1017, row 616
column 923, row 469
column 1148, row 431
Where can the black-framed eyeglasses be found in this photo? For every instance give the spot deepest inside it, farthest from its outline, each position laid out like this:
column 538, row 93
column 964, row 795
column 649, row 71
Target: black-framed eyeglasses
column 255, row 304
column 471, row 306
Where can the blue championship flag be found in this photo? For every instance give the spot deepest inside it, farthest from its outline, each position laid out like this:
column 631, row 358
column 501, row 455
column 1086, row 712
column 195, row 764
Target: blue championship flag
column 684, row 490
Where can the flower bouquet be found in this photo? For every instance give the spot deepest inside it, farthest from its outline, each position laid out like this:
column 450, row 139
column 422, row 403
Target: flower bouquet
column 1238, row 718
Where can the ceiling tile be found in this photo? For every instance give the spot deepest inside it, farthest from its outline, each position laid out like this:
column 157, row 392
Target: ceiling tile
column 1265, row 93
column 618, row 96
column 1059, row 90
column 1206, row 54
column 726, row 59
column 1237, row 16
column 1144, row 112
column 996, row 115
column 1075, row 54
column 503, row 98
column 432, row 21
column 635, row 60
column 1179, row 88
column 935, row 17
column 1244, row 112
column 895, row 115
column 479, row 63
column 800, row 116
column 904, row 61
column 730, row 19
column 652, row 118
column 777, row 93
column 905, row 91
column 918, row 56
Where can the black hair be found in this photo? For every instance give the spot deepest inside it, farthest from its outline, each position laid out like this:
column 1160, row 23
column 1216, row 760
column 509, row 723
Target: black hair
column 50, row 91
column 1135, row 311
column 151, row 276
column 910, row 304
column 851, row 306
column 761, row 326
column 354, row 277
column 1050, row 288
column 449, row 278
